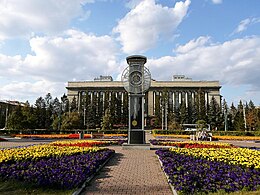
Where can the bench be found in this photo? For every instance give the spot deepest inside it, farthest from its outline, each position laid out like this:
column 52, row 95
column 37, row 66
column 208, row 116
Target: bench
column 97, row 135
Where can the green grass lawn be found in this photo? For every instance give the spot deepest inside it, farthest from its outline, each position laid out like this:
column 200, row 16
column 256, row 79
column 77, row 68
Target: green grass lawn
column 237, row 193
column 19, row 188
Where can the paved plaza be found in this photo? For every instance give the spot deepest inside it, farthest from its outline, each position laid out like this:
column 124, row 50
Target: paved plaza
column 129, row 171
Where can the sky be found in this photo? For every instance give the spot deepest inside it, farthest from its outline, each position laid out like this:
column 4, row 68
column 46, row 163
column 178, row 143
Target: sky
column 45, row 44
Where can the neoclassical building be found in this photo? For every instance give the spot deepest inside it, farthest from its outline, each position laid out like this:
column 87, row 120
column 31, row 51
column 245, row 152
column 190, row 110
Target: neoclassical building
column 179, row 90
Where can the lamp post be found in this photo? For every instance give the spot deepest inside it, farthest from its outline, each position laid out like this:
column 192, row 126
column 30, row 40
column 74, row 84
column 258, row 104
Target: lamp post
column 166, row 116
column 225, row 116
column 244, row 114
column 6, row 116
column 84, row 115
column 162, row 116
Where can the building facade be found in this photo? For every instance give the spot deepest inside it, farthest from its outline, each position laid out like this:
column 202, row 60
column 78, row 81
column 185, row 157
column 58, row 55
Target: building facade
column 179, row 90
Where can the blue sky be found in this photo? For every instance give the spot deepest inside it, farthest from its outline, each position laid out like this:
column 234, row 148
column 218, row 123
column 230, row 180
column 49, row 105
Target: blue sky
column 45, row 44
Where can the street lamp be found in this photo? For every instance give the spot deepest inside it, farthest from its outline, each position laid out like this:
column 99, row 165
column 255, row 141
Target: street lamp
column 244, row 113
column 84, row 115
column 225, row 115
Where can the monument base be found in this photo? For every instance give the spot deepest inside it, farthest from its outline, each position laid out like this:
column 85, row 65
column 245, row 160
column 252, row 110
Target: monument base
column 126, row 146
column 136, row 137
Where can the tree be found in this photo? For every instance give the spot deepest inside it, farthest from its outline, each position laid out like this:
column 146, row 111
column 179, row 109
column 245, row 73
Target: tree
column 251, row 116
column 112, row 108
column 90, row 116
column 65, row 103
column 16, row 119
column 239, row 122
column 214, row 114
column 106, row 122
column 125, row 114
column 73, row 105
column 183, row 113
column 40, row 113
column 70, row 121
column 201, row 124
column 99, row 112
column 231, row 116
column 56, row 114
column 157, row 113
column 201, row 105
column 172, row 124
column 29, row 117
column 49, row 111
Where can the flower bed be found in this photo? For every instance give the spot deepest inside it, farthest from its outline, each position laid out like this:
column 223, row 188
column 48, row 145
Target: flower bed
column 67, row 136
column 52, row 136
column 41, row 151
column 193, row 174
column 115, row 136
column 51, row 166
column 233, row 156
column 171, row 136
column 191, row 144
column 252, row 138
column 87, row 143
column 214, row 137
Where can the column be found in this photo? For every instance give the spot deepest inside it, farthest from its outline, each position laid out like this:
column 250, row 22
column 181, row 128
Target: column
column 180, row 98
column 150, row 103
column 186, row 99
column 173, row 100
column 154, row 95
column 79, row 100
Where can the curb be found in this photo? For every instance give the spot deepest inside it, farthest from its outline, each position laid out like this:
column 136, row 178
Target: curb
column 174, row 192
column 92, row 176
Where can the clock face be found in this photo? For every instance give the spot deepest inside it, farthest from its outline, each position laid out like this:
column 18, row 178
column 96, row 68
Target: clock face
column 135, row 78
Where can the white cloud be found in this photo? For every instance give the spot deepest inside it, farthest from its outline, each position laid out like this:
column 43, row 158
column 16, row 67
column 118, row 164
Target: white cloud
column 79, row 55
column 234, row 62
column 23, row 91
column 217, row 1
column 244, row 24
column 147, row 22
column 55, row 61
column 21, row 18
column 193, row 44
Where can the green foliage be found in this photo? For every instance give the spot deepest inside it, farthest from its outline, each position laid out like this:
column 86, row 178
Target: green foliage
column 70, row 121
column 201, row 105
column 16, row 119
column 17, row 187
column 173, row 125
column 73, row 105
column 215, row 118
column 183, row 113
column 106, row 123
column 201, row 124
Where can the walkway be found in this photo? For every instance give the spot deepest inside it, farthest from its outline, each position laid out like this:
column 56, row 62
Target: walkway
column 131, row 172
